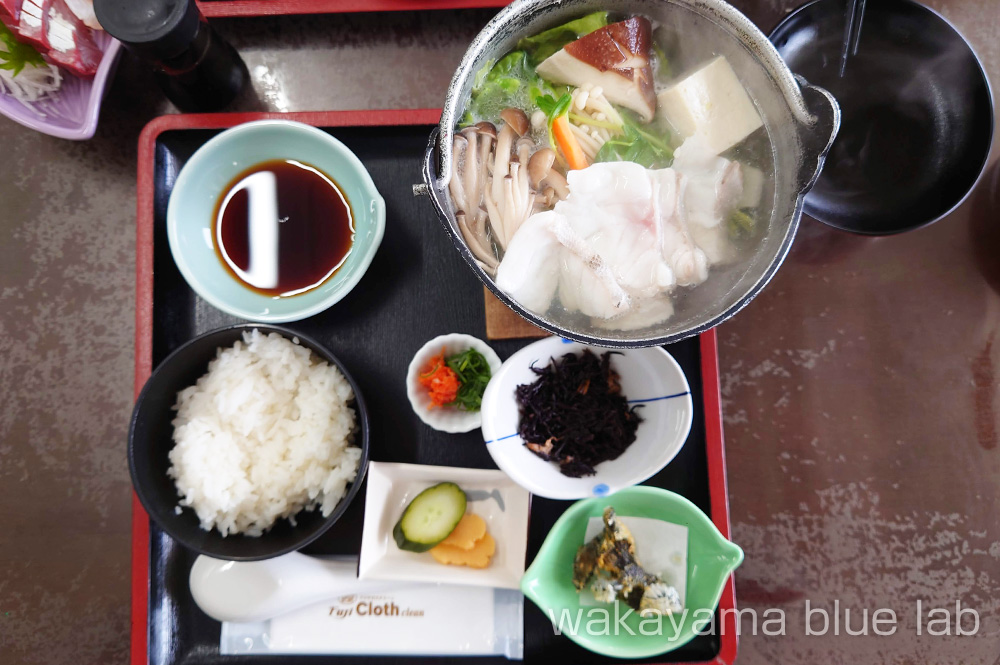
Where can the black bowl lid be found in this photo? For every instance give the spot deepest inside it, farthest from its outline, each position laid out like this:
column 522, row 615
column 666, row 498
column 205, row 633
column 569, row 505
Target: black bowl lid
column 917, row 114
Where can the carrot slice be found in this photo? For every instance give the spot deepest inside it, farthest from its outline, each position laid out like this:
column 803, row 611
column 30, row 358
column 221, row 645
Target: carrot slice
column 570, row 147
column 441, row 382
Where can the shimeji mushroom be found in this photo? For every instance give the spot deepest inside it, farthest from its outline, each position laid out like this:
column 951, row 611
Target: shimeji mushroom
column 471, row 153
column 522, row 201
column 497, row 180
column 509, row 199
column 546, row 179
column 475, row 239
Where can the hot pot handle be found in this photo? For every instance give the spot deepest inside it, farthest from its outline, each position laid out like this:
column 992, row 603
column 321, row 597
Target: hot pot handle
column 817, row 136
column 431, row 186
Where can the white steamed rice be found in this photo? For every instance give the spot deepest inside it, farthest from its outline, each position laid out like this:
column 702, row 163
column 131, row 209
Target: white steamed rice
column 267, row 432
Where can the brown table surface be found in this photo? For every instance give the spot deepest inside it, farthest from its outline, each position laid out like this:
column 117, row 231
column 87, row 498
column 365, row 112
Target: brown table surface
column 859, row 388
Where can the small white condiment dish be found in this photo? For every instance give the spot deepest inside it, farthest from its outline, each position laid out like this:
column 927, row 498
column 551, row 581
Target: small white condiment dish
column 649, row 376
column 491, row 495
column 446, row 419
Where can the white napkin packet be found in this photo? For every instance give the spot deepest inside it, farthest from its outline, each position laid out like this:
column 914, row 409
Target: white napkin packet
column 413, row 619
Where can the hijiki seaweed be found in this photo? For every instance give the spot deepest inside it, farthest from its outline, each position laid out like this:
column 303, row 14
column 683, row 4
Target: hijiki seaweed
column 575, row 413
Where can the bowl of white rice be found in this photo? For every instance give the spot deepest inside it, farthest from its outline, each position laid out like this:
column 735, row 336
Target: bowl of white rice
column 248, row 442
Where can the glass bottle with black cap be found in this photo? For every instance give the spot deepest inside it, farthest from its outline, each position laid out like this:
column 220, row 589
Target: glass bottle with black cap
column 197, row 69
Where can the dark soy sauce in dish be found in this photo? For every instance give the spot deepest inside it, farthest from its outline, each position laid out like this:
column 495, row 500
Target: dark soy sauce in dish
column 283, row 227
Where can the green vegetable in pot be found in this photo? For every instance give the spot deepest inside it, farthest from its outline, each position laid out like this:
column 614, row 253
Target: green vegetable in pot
column 553, row 108
column 541, row 46
column 663, row 71
column 512, row 81
column 637, row 144
column 741, row 223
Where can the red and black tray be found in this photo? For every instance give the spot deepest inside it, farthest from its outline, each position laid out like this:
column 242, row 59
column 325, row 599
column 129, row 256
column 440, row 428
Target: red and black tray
column 223, row 8
column 417, row 287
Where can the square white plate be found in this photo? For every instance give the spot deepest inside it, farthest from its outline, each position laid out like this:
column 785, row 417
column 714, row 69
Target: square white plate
column 501, row 502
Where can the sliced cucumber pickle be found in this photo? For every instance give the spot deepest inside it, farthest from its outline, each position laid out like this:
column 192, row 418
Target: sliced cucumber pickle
column 430, row 518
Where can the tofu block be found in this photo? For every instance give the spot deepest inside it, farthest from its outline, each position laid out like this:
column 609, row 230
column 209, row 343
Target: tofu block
column 712, row 103
column 753, row 187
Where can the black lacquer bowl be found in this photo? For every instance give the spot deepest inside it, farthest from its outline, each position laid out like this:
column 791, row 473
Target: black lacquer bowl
column 151, row 439
column 917, row 113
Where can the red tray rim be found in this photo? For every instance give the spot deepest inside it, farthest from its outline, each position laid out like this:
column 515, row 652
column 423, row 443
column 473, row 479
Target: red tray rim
column 715, row 445
column 235, row 8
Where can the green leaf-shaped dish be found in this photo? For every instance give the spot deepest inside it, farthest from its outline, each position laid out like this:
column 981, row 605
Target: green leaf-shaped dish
column 711, row 558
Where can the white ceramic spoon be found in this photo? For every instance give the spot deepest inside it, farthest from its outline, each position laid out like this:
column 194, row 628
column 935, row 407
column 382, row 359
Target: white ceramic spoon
column 251, row 591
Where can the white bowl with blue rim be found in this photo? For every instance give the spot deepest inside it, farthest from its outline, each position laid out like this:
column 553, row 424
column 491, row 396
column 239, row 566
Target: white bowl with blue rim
column 649, row 377
column 205, row 177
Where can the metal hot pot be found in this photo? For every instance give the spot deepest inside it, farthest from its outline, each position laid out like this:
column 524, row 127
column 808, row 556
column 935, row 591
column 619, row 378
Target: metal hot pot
column 801, row 121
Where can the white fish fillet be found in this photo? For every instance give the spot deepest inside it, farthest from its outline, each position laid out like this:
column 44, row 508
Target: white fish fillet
column 530, row 268
column 624, row 238
column 677, row 246
column 624, row 230
column 715, row 183
column 546, row 254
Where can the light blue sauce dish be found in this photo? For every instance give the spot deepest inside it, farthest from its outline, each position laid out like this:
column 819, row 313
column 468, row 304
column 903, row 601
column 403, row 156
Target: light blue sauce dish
column 205, row 178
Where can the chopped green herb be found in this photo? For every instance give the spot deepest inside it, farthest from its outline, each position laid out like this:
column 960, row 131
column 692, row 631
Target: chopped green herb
column 553, row 108
column 473, row 371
